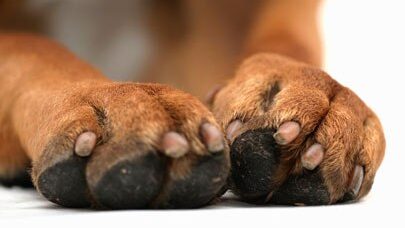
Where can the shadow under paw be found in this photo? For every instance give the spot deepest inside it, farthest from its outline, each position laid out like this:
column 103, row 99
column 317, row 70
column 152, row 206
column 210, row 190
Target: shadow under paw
column 22, row 179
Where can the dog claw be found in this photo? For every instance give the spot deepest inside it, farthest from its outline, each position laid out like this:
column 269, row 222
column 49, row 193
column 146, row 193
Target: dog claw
column 85, row 144
column 175, row 145
column 212, row 137
column 287, row 132
column 357, row 180
column 233, row 127
column 313, row 156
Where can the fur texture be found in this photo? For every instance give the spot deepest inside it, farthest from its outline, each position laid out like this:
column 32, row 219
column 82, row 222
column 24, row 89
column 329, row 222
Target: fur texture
column 48, row 97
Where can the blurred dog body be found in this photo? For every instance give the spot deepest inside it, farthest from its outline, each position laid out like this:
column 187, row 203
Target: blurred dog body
column 172, row 42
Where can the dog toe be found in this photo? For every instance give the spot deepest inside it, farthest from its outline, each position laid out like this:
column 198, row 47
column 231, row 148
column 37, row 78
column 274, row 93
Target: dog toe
column 287, row 132
column 255, row 158
column 305, row 189
column 64, row 183
column 130, row 183
column 212, row 137
column 175, row 145
column 196, row 187
column 232, row 129
column 313, row 156
column 85, row 144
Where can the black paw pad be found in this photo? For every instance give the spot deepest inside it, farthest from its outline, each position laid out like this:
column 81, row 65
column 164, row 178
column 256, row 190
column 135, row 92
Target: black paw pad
column 131, row 183
column 255, row 158
column 347, row 197
column 64, row 183
column 306, row 189
column 206, row 179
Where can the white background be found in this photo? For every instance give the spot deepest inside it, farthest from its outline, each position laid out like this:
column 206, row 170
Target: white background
column 364, row 51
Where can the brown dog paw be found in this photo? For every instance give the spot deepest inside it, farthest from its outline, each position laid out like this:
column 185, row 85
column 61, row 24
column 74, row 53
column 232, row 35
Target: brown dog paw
column 296, row 135
column 132, row 146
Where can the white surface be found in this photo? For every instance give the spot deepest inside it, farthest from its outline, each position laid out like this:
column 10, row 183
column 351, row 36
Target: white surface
column 365, row 49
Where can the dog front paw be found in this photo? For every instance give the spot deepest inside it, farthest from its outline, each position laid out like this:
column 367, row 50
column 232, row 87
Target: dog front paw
column 131, row 146
column 296, row 135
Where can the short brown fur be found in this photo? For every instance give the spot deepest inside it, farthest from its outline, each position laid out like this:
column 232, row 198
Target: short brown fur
column 46, row 92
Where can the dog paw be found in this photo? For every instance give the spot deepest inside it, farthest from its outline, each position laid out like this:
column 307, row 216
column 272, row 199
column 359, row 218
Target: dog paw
column 131, row 146
column 296, row 135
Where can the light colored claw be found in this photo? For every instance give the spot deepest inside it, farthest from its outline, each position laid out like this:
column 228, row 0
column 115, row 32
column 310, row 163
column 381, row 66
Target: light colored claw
column 85, row 143
column 357, row 180
column 212, row 137
column 212, row 93
column 233, row 127
column 313, row 156
column 175, row 145
column 287, row 132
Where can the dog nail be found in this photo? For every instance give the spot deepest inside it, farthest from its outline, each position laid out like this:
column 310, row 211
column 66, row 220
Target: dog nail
column 357, row 180
column 85, row 143
column 212, row 93
column 287, row 132
column 213, row 137
column 233, row 127
column 174, row 145
column 313, row 156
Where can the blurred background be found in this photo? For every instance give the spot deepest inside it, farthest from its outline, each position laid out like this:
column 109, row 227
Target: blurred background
column 364, row 50
column 111, row 35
